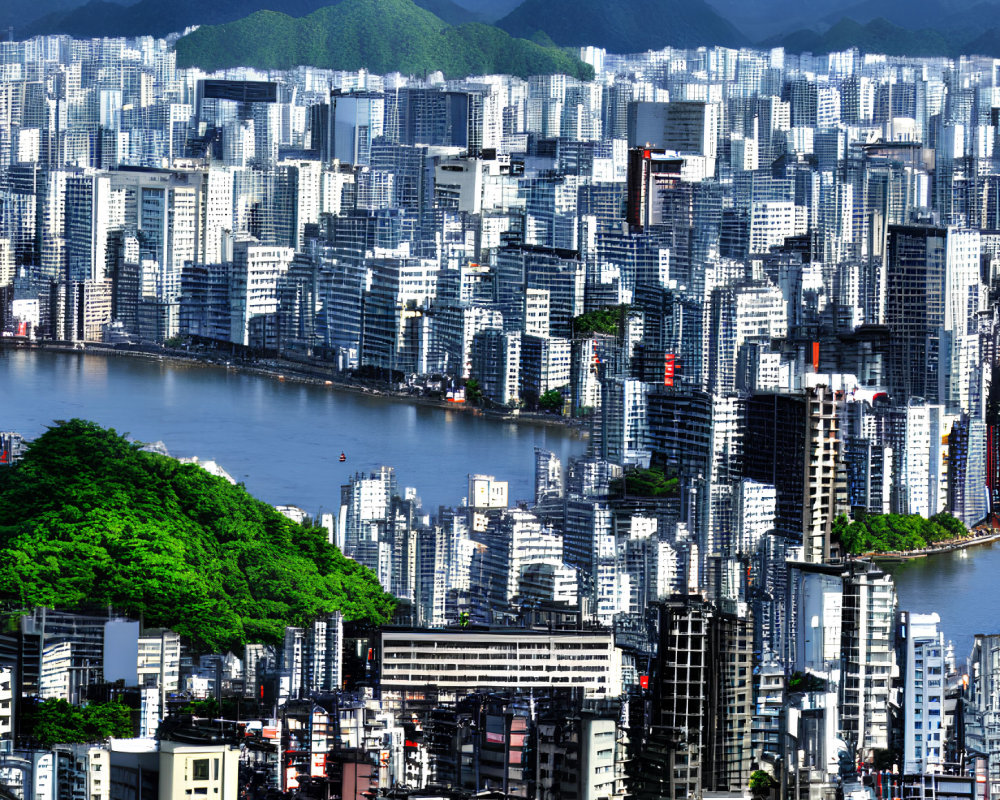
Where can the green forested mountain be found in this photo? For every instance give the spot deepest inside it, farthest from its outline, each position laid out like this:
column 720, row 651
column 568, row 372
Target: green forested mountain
column 378, row 35
column 624, row 26
column 88, row 520
column 896, row 27
column 161, row 17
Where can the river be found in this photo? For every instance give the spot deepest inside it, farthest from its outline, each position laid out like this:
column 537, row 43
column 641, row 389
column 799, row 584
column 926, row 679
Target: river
column 961, row 586
column 283, row 440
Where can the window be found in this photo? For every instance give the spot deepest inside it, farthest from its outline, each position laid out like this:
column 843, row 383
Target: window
column 199, row 769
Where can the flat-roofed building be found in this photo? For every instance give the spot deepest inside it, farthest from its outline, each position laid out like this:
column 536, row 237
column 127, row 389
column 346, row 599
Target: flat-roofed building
column 470, row 661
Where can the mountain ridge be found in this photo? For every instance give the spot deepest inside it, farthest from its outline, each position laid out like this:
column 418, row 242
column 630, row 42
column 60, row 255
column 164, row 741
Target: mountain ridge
column 159, row 18
column 882, row 36
column 641, row 25
column 384, row 36
column 896, row 27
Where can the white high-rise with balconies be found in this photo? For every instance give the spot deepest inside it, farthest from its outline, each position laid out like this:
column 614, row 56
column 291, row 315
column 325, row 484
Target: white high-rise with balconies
column 923, row 736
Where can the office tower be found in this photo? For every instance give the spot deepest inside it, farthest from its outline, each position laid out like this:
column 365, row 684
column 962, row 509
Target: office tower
column 411, row 188
column 440, row 118
column 964, row 296
column 168, row 212
column 915, row 312
column 126, row 281
column 158, row 675
column 672, row 351
column 584, row 661
column 868, row 457
column 350, row 238
column 550, row 206
column 323, row 654
column 559, row 272
column 922, row 479
column 623, row 432
column 772, row 222
column 869, row 610
column 652, row 174
column 205, row 310
column 298, row 202
column 254, row 292
column 59, row 654
column 496, row 364
column 545, row 365
column 52, row 225
column 792, row 443
column 802, row 97
column 700, row 738
column 433, row 580
column 396, row 330
column 924, row 693
column 981, row 709
column 349, row 125
column 639, row 259
column 218, row 211
column 740, row 315
column 365, row 522
column 968, row 495
column 91, row 213
column 680, row 434
column 683, row 126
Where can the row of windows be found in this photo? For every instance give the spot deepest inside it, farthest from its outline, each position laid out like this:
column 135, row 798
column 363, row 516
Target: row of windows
column 489, row 680
column 525, row 670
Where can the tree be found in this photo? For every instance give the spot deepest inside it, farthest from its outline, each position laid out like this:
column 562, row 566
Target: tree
column 805, row 682
column 652, row 482
column 54, row 721
column 883, row 533
column 608, row 320
column 551, row 401
column 760, row 783
column 473, row 392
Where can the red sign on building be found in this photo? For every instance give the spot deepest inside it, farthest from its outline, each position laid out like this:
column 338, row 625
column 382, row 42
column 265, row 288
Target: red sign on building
column 668, row 369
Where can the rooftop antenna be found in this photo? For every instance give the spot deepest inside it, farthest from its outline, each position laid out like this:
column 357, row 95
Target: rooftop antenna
column 10, row 34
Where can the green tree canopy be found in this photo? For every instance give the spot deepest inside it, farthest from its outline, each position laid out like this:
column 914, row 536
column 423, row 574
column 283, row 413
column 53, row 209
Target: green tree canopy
column 652, row 482
column 88, row 520
column 760, row 783
column 473, row 392
column 608, row 320
column 551, row 401
column 55, row 721
column 884, row 533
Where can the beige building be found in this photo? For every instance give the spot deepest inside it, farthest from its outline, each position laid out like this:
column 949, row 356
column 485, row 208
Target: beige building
column 199, row 770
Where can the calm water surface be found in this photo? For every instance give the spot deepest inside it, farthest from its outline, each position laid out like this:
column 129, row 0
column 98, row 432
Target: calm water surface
column 963, row 587
column 283, row 440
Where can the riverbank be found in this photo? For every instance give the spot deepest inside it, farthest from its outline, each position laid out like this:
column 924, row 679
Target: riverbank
column 948, row 546
column 297, row 372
